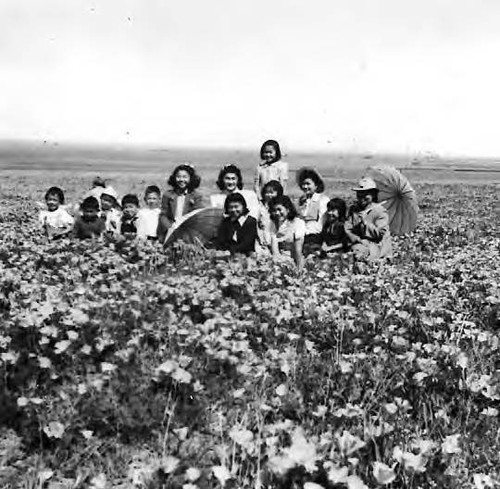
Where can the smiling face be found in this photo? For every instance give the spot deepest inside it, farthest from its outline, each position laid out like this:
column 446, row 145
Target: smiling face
column 152, row 200
column 130, row 210
column 269, row 193
column 279, row 213
column 52, row 202
column 269, row 153
column 364, row 198
column 230, row 181
column 308, row 186
column 107, row 202
column 235, row 210
column 182, row 179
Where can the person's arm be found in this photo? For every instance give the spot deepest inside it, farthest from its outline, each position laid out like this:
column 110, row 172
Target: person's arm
column 284, row 175
column 298, row 255
column 164, row 221
column 256, row 181
column 75, row 233
column 198, row 201
column 378, row 229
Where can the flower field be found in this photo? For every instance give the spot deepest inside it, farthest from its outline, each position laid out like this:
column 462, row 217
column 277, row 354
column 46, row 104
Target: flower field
column 128, row 367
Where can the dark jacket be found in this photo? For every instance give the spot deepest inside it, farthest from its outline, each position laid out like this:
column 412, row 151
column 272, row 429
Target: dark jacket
column 128, row 225
column 194, row 200
column 84, row 229
column 245, row 235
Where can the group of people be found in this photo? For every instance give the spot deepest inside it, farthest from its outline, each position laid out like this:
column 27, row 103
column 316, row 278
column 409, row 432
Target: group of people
column 262, row 220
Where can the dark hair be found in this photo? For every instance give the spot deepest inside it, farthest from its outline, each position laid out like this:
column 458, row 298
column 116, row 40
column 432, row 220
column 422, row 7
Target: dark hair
column 313, row 175
column 57, row 192
column 340, row 205
column 275, row 185
column 130, row 199
column 99, row 182
column 229, row 169
column 194, row 178
column 275, row 145
column 90, row 203
column 235, row 197
column 286, row 202
column 373, row 192
column 151, row 189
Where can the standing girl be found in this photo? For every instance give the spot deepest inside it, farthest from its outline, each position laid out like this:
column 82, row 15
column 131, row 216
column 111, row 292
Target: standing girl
column 287, row 230
column 271, row 167
column 230, row 181
column 238, row 231
column 182, row 199
column 312, row 207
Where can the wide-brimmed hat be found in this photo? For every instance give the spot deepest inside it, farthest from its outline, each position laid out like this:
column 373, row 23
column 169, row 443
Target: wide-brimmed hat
column 111, row 192
column 302, row 173
column 366, row 183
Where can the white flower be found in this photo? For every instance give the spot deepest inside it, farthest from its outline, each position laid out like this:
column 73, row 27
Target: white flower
column 383, row 473
column 221, row 474
column 54, row 430
column 450, row 444
column 192, row 474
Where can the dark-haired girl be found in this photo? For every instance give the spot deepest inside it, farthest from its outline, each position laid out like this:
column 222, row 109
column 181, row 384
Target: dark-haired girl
column 312, row 207
column 270, row 191
column 238, row 231
column 182, row 199
column 230, row 181
column 287, row 230
column 56, row 220
column 333, row 235
column 272, row 167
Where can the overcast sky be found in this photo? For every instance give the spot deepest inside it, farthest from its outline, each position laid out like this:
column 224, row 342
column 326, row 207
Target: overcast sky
column 365, row 75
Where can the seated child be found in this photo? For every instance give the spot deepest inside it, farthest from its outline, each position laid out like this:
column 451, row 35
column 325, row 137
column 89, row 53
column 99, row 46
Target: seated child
column 147, row 218
column 238, row 231
column 333, row 235
column 110, row 210
column 130, row 206
column 56, row 220
column 90, row 225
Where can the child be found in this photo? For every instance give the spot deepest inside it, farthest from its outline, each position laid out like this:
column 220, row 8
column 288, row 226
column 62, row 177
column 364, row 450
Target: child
column 56, row 220
column 147, row 219
column 130, row 206
column 90, row 225
column 271, row 166
column 182, row 199
column 110, row 210
column 238, row 231
column 333, row 235
column 312, row 207
column 270, row 191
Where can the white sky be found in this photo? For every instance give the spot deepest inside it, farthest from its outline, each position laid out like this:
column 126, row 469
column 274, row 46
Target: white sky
column 364, row 75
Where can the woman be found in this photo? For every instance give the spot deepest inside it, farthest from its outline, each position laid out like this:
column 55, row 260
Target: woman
column 312, row 207
column 230, row 181
column 367, row 226
column 287, row 230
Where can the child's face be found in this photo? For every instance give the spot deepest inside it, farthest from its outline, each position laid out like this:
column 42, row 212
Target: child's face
column 235, row 210
column 308, row 186
column 152, row 200
column 230, row 182
column 130, row 210
column 270, row 193
column 182, row 179
column 279, row 213
column 52, row 202
column 269, row 153
column 107, row 202
column 90, row 213
column 333, row 215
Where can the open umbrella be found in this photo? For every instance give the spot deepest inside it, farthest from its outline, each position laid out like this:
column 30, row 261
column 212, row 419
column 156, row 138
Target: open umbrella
column 199, row 226
column 398, row 197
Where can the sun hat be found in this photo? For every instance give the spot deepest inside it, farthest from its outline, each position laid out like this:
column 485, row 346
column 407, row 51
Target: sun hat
column 111, row 192
column 306, row 172
column 366, row 183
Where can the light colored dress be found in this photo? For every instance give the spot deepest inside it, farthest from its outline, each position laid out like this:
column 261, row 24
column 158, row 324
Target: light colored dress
column 313, row 211
column 147, row 222
column 217, row 200
column 271, row 171
column 371, row 225
column 59, row 219
column 287, row 233
column 112, row 220
column 264, row 226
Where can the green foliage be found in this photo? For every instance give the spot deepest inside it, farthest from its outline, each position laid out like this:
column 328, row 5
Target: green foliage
column 129, row 367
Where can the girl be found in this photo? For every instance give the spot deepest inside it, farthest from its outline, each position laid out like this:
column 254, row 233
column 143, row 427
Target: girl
column 56, row 221
column 287, row 229
column 130, row 206
column 182, row 199
column 230, row 181
column 110, row 210
column 238, row 231
column 270, row 191
column 271, row 166
column 147, row 219
column 333, row 235
column 312, row 207
column 367, row 226
column 90, row 225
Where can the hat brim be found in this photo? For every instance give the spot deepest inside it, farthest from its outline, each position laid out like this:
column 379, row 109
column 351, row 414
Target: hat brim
column 364, row 189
